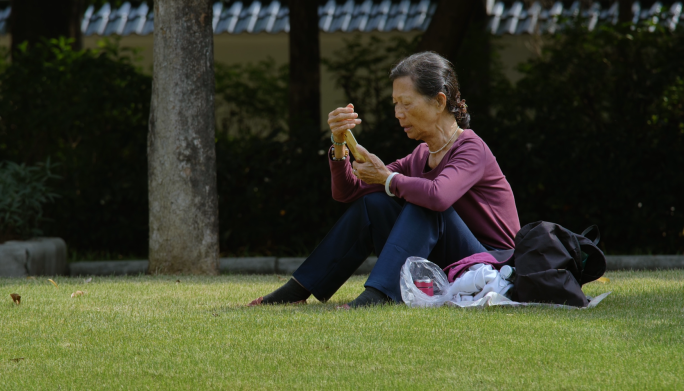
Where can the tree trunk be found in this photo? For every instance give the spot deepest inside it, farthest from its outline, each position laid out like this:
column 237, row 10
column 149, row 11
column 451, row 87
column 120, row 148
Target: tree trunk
column 180, row 147
column 625, row 14
column 453, row 22
column 32, row 20
column 475, row 56
column 305, row 74
column 448, row 27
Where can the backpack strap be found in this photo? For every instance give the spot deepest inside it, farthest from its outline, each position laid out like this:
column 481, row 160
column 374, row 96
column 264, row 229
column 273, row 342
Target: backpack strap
column 589, row 229
column 595, row 263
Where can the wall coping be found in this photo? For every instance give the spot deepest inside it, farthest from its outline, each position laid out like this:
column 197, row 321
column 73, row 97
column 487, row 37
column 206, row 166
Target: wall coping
column 287, row 265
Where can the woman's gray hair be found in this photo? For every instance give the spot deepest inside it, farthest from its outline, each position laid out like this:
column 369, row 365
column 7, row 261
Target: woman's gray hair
column 432, row 74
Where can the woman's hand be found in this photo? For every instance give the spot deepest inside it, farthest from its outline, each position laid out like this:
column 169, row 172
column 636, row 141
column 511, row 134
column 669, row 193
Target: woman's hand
column 341, row 119
column 373, row 170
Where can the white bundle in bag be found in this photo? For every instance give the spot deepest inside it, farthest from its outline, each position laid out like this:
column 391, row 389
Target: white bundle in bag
column 476, row 282
column 417, row 268
column 481, row 286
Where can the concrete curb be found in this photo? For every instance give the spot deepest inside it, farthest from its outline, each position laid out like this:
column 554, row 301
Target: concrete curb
column 108, row 268
column 34, row 257
column 274, row 265
column 255, row 265
column 644, row 262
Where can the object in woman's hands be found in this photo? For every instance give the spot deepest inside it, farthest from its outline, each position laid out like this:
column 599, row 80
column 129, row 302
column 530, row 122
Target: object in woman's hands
column 351, row 144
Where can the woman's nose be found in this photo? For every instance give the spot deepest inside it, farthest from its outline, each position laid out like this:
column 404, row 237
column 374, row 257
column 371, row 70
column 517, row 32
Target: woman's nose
column 398, row 113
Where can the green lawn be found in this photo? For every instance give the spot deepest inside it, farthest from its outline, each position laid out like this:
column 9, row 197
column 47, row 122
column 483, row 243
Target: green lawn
column 150, row 332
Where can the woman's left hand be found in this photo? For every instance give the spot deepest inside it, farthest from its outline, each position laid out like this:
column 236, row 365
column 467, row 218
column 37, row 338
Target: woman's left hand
column 373, row 170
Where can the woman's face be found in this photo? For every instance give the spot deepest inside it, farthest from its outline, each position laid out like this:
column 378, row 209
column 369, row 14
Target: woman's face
column 416, row 114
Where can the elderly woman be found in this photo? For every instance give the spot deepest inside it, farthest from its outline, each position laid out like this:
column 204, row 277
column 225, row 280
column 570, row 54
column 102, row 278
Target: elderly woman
column 445, row 201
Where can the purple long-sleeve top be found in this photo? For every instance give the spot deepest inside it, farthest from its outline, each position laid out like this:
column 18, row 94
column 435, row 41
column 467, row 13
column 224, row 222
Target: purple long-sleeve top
column 468, row 179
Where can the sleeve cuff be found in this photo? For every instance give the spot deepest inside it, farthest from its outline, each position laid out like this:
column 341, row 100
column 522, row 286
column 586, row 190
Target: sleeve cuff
column 394, row 183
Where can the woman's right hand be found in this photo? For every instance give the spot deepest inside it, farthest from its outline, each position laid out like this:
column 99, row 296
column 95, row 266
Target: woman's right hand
column 341, row 119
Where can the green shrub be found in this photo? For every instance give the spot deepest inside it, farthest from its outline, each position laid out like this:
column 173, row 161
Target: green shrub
column 88, row 111
column 594, row 134
column 274, row 184
column 23, row 192
column 274, row 196
column 252, row 98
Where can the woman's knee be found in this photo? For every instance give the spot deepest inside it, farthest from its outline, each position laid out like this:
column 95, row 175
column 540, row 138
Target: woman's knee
column 417, row 209
column 381, row 202
column 415, row 213
column 369, row 203
column 380, row 206
column 377, row 200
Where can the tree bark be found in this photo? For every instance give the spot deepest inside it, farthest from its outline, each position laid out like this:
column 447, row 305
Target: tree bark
column 448, row 27
column 625, row 11
column 32, row 20
column 180, row 147
column 305, row 74
column 453, row 22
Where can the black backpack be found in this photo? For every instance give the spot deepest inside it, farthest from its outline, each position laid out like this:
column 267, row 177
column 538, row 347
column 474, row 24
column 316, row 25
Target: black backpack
column 552, row 263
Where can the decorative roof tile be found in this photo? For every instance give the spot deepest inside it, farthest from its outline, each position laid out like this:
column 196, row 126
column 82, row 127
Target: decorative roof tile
column 282, row 23
column 228, row 18
column 378, row 16
column 4, row 19
column 136, row 20
column 117, row 20
column 248, row 18
column 361, row 16
column 253, row 16
column 98, row 22
column 267, row 17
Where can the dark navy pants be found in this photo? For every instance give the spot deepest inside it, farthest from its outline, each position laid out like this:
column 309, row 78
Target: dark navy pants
column 381, row 224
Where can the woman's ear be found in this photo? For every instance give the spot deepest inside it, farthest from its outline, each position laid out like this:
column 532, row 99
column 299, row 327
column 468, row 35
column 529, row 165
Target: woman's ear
column 440, row 101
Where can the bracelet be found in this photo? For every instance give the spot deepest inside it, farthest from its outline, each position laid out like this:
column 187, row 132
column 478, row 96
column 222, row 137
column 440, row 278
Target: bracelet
column 332, row 156
column 335, row 142
column 387, row 183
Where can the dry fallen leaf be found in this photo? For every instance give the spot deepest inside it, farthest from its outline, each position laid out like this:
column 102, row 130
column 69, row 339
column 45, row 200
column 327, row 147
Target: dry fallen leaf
column 177, row 281
column 30, row 278
column 77, row 294
column 53, row 283
column 17, row 359
column 603, row 279
column 280, row 278
column 15, row 298
column 89, row 280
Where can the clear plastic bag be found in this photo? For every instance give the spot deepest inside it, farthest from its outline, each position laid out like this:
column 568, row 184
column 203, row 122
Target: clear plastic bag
column 416, row 268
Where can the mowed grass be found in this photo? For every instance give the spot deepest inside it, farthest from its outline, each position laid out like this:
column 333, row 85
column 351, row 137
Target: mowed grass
column 150, row 332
